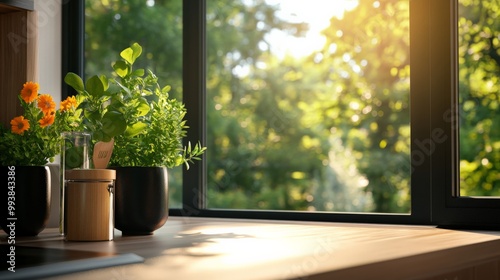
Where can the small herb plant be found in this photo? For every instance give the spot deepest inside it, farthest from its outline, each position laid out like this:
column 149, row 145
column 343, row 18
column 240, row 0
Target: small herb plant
column 130, row 107
column 34, row 137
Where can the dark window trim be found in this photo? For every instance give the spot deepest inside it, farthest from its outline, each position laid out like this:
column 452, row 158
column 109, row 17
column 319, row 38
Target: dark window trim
column 194, row 95
column 434, row 173
column 449, row 208
column 73, row 42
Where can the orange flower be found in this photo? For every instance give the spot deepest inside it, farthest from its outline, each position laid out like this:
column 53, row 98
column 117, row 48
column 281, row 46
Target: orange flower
column 68, row 103
column 47, row 120
column 19, row 125
column 29, row 92
column 46, row 103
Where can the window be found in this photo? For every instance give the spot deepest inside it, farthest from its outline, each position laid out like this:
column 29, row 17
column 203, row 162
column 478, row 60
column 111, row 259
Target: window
column 435, row 183
column 308, row 106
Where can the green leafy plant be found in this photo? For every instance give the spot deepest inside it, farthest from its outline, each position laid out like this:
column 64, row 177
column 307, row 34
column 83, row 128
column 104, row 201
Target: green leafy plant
column 34, row 137
column 130, row 107
column 105, row 122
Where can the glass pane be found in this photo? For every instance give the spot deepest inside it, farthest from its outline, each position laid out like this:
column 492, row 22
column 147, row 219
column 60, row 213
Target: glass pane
column 113, row 25
column 308, row 105
column 479, row 98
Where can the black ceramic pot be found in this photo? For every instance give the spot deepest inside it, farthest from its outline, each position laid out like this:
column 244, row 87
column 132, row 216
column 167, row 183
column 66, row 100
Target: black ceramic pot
column 26, row 189
column 141, row 199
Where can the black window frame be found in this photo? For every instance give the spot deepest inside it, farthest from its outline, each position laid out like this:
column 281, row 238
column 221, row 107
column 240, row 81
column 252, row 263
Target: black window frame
column 449, row 208
column 435, row 198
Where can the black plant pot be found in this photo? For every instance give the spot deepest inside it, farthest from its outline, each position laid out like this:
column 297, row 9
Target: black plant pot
column 141, row 199
column 27, row 190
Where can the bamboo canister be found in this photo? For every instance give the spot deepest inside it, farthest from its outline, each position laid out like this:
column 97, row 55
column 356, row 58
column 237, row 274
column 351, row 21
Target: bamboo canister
column 89, row 204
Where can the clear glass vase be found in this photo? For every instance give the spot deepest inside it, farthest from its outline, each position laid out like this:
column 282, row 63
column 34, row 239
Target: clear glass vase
column 75, row 154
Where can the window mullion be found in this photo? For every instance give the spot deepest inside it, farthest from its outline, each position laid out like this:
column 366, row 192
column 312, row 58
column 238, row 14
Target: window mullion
column 422, row 145
column 194, row 95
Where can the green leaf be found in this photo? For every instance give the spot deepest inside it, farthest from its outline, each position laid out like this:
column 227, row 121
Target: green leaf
column 116, row 104
column 92, row 114
column 135, row 129
column 113, row 123
column 131, row 53
column 166, row 89
column 95, row 86
column 99, row 136
column 73, row 157
column 105, row 81
column 143, row 107
column 152, row 98
column 80, row 99
column 179, row 159
column 124, row 88
column 121, row 68
column 74, row 81
column 106, row 138
column 128, row 55
column 138, row 72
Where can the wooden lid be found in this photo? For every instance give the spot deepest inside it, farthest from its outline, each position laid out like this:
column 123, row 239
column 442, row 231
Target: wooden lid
column 90, row 174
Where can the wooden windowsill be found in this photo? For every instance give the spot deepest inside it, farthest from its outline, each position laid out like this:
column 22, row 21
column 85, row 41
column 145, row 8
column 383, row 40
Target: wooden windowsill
column 209, row 248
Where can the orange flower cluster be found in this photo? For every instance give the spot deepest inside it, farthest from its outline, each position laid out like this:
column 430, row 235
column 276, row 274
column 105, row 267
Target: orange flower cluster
column 19, row 125
column 30, row 92
column 34, row 137
column 45, row 103
column 69, row 103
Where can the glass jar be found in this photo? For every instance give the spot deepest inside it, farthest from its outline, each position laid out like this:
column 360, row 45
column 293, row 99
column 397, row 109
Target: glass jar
column 75, row 154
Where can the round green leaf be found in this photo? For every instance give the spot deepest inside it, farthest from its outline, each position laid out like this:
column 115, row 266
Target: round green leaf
column 132, row 53
column 121, row 68
column 74, row 81
column 95, row 86
column 113, row 123
column 143, row 107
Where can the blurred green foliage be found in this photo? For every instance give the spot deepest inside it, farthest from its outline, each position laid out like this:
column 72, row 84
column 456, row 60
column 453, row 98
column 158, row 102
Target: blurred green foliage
column 479, row 98
column 327, row 132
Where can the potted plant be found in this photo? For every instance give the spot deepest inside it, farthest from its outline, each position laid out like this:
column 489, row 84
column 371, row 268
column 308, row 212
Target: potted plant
column 25, row 148
column 147, row 127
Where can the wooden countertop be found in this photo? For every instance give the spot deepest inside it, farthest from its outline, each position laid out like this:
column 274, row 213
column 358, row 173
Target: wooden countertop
column 208, row 248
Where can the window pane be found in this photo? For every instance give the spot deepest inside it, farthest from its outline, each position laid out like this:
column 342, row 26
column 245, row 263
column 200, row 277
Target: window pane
column 479, row 99
column 113, row 25
column 308, row 105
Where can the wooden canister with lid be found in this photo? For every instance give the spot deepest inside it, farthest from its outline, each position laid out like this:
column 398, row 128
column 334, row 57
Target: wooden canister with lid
column 89, row 204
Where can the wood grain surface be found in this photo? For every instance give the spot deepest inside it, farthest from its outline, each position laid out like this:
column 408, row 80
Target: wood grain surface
column 207, row 248
column 18, row 58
